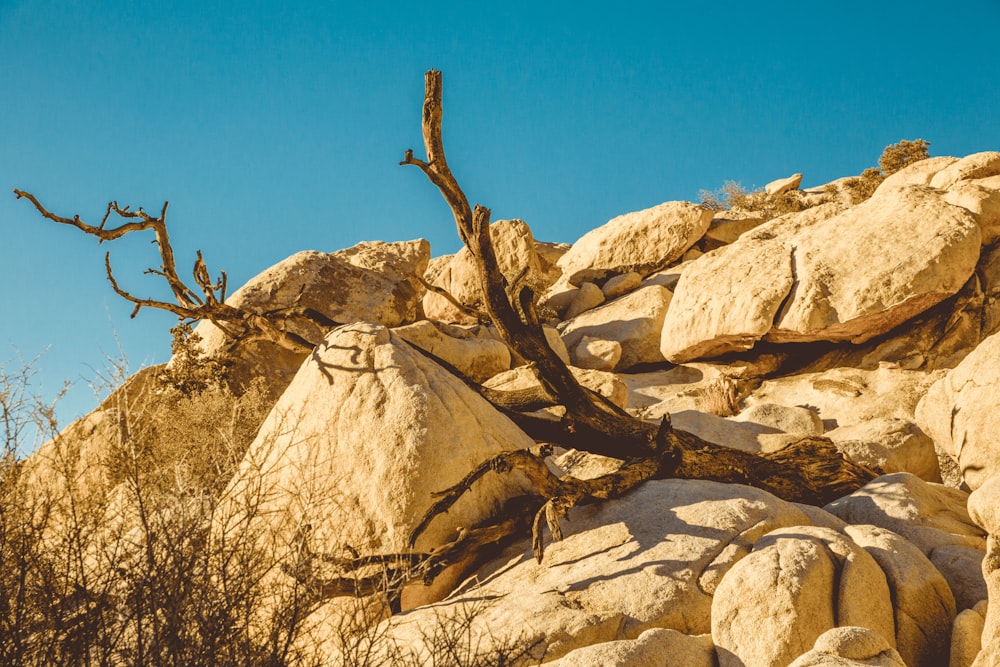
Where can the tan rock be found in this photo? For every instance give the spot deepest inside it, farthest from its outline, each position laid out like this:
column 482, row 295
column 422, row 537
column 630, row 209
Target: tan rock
column 876, row 265
column 602, row 355
column 357, row 445
column 633, row 320
column 984, row 506
column 589, row 296
column 548, row 258
column 850, row 646
column 967, row 636
column 795, row 420
column 727, row 300
column 514, row 246
column 890, row 445
column 916, row 173
column 783, row 185
column 558, row 297
column 846, row 396
column 982, row 198
column 644, row 241
column 623, row 568
column 923, row 604
column 977, row 165
column 959, row 413
column 931, row 516
column 728, row 226
column 605, row 384
column 372, row 282
column 555, row 342
column 650, row 649
column 621, row 284
column 476, row 358
column 796, row 584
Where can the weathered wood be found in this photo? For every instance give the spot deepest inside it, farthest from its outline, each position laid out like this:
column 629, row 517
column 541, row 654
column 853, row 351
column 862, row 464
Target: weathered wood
column 207, row 300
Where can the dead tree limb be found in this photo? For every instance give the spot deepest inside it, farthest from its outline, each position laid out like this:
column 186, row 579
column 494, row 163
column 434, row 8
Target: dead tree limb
column 812, row 471
column 207, row 300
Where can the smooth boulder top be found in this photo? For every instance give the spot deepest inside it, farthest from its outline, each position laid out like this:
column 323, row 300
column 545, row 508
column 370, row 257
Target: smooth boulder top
column 643, row 242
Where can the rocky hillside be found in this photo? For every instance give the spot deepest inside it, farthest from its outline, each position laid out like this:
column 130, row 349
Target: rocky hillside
column 871, row 323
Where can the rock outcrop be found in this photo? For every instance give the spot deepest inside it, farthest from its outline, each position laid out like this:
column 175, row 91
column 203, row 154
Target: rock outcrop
column 643, row 242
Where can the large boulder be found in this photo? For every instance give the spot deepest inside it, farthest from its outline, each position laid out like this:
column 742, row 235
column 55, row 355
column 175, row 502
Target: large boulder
column 796, row 584
column 931, row 516
column 876, row 265
column 633, row 321
column 355, row 448
column 959, row 412
column 650, row 560
column 727, row 299
column 813, row 276
column 644, row 241
column 371, row 282
column 515, row 249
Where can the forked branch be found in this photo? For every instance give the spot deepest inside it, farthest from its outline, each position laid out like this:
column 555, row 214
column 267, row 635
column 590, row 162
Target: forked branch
column 205, row 301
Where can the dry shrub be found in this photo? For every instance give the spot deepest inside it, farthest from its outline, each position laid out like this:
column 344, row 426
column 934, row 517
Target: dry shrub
column 721, row 396
column 733, row 196
column 894, row 157
column 145, row 576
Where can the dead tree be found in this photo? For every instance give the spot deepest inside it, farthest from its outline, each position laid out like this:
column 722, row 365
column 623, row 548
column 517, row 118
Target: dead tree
column 207, row 300
column 810, row 471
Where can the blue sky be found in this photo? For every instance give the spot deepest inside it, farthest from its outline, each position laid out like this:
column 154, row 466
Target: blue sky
column 274, row 127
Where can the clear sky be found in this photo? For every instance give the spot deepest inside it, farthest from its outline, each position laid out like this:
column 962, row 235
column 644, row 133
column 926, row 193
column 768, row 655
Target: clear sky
column 275, row 126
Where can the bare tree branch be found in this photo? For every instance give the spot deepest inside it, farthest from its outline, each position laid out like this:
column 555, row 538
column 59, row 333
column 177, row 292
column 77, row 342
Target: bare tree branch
column 204, row 302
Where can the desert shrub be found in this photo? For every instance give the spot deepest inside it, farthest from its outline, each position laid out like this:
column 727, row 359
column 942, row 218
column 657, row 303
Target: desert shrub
column 148, row 577
column 903, row 154
column 894, row 157
column 733, row 196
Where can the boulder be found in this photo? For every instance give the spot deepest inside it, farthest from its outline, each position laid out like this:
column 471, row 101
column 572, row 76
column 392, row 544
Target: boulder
column 371, row 282
column 644, row 241
column 797, row 583
column 652, row 559
column 727, row 300
column 890, row 445
column 982, row 198
column 923, row 604
column 558, row 297
column 931, row 516
column 851, row 646
column 514, row 246
column 857, row 274
column 649, row 649
column 783, row 185
column 863, row 272
column 588, row 296
column 476, row 358
column 728, row 226
column 633, row 320
column 364, row 435
column 602, row 355
column 959, row 412
column 977, row 165
column 844, row 396
column 967, row 636
column 621, row 284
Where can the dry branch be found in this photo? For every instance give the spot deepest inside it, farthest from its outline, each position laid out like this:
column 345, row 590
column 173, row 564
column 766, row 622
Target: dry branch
column 809, row 472
column 204, row 302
